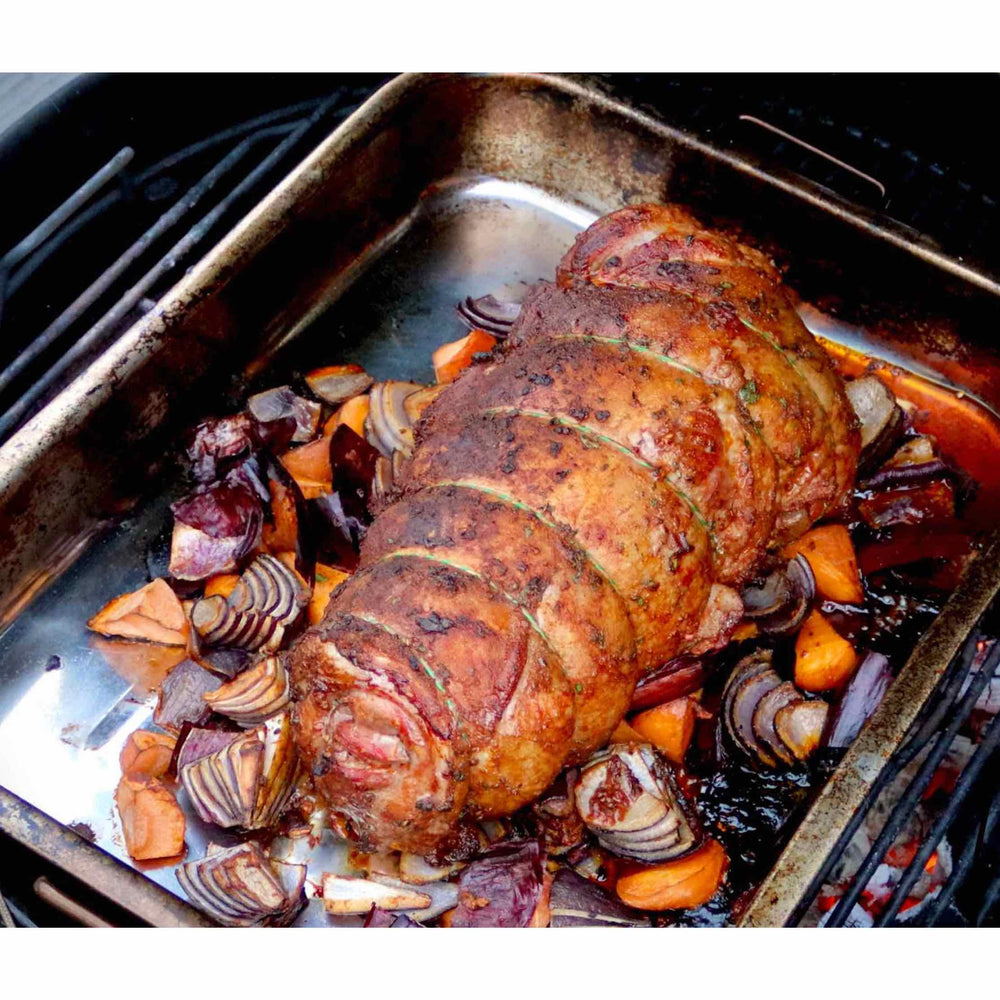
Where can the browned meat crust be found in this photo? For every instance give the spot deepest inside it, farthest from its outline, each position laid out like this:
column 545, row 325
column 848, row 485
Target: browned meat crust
column 577, row 511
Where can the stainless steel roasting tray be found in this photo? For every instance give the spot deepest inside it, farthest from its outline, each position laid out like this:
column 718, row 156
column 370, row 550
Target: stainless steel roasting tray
column 438, row 187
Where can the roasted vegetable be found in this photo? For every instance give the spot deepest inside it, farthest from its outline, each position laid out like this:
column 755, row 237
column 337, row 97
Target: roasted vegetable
column 823, row 658
column 450, row 360
column 240, row 887
column 490, row 313
column 676, row 885
column 676, row 678
column 830, row 553
column 152, row 821
column 577, row 902
column 282, row 403
column 153, row 613
column 182, row 694
column 502, row 888
column 253, row 696
column 779, row 604
column 629, row 798
column 863, row 694
column 248, row 781
column 337, row 383
column 880, row 418
column 669, row 727
column 147, row 753
column 213, row 530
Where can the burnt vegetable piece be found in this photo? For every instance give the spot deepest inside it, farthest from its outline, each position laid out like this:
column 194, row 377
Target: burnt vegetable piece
column 579, row 508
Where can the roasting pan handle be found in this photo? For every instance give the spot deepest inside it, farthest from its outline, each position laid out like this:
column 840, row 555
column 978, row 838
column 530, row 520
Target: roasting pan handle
column 65, row 904
column 816, row 151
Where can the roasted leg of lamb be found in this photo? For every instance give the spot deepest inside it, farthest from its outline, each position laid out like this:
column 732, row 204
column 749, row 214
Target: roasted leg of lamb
column 578, row 510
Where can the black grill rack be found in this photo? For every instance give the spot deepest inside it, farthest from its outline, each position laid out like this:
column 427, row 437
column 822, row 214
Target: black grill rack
column 246, row 161
column 968, row 818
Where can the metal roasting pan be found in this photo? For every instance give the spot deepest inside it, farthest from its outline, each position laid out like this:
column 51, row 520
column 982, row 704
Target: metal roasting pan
column 437, row 187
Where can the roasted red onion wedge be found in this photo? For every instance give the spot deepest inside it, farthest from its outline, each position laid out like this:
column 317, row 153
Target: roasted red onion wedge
column 489, row 313
column 628, row 797
column 282, row 403
column 879, row 415
column 779, row 604
column 763, row 719
column 267, row 600
column 674, row 679
column 216, row 444
column 577, row 902
column 239, row 887
column 501, row 888
column 800, row 726
column 384, row 918
column 751, row 679
column 197, row 743
column 247, row 782
column 389, row 426
column 253, row 696
column 338, row 383
column 928, row 502
column 863, row 694
column 213, row 530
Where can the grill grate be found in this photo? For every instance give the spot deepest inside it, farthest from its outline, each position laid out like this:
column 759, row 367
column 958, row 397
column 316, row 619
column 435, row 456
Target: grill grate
column 968, row 818
column 255, row 151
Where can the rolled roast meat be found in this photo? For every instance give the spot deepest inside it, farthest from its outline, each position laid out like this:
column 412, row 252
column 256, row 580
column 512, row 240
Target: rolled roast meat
column 578, row 509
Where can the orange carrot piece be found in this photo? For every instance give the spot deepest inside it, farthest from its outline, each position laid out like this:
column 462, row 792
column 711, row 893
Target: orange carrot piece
column 309, row 462
column 676, row 885
column 327, row 581
column 744, row 631
column 152, row 821
column 354, row 413
column 450, row 359
column 153, row 613
column 823, row 658
column 669, row 727
column 282, row 533
column 221, row 585
column 147, row 753
column 834, row 563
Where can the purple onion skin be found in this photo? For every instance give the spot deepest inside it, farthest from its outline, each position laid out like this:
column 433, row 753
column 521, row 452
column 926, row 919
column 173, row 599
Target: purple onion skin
column 889, row 477
column 674, row 679
column 215, row 444
column 223, row 510
column 863, row 694
column 181, row 694
column 195, row 743
column 383, row 918
column 509, row 878
column 589, row 904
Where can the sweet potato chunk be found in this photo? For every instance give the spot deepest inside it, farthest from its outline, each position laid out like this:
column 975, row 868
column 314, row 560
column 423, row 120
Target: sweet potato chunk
column 153, row 613
column 327, row 581
column 823, row 659
column 451, row 359
column 354, row 413
column 147, row 753
column 221, row 584
column 309, row 463
column 152, row 821
column 669, row 727
column 830, row 553
column 676, row 885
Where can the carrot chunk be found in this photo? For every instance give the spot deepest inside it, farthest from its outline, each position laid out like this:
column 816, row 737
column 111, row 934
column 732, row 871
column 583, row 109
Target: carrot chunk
column 152, row 821
column 669, row 727
column 153, row 613
column 676, row 885
column 823, row 658
column 830, row 553
column 451, row 359
column 327, row 581
column 221, row 585
column 147, row 753
column 354, row 413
